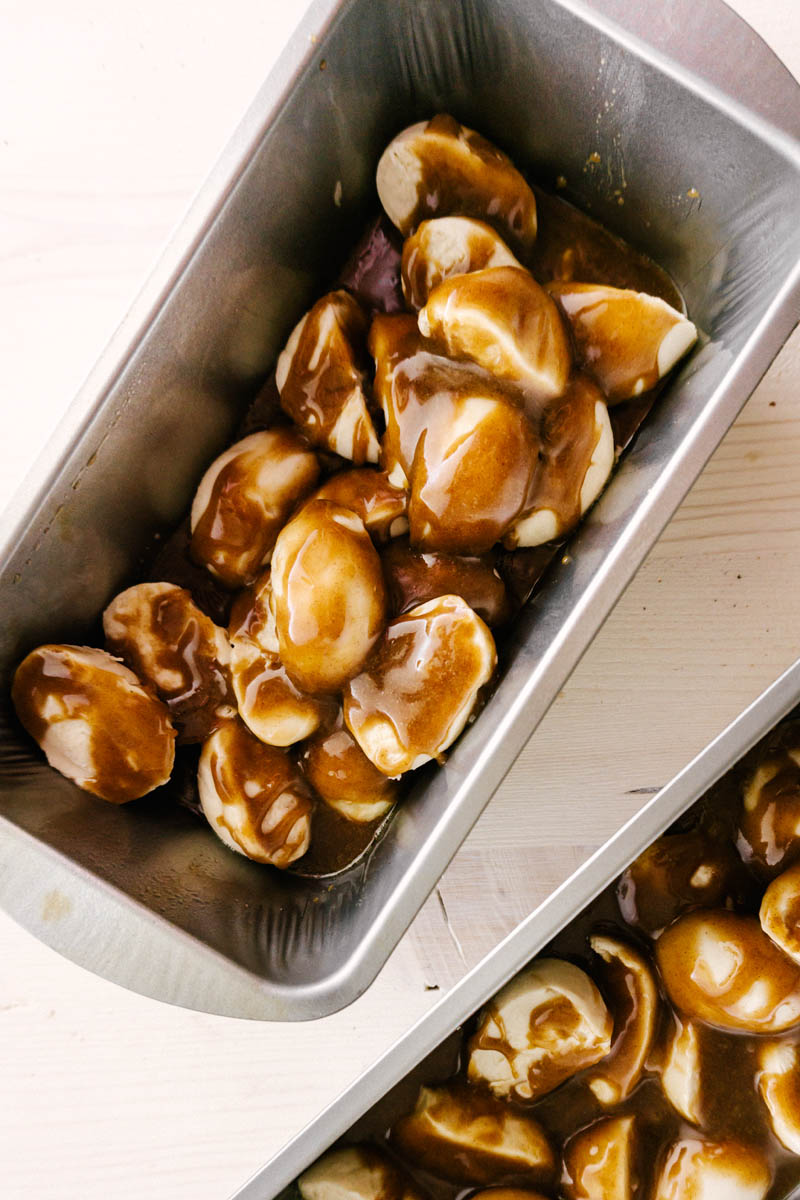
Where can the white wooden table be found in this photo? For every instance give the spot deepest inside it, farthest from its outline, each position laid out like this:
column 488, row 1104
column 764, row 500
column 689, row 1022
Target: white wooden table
column 110, row 116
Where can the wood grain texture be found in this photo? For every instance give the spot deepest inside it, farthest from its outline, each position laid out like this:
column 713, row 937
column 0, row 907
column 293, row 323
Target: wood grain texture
column 110, row 118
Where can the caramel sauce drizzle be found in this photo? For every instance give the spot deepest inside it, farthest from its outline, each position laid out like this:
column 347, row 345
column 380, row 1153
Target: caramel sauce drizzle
column 460, row 1134
column 130, row 731
column 181, row 642
column 568, row 437
column 621, row 331
column 414, row 576
column 469, row 488
column 237, row 529
column 324, row 371
column 628, row 993
column 269, row 691
column 418, row 280
column 753, row 956
column 659, row 884
column 369, row 494
column 771, row 832
column 249, row 615
column 560, row 1018
column 330, row 597
column 412, row 675
column 338, row 769
column 487, row 186
column 521, row 468
column 249, row 774
column 231, row 524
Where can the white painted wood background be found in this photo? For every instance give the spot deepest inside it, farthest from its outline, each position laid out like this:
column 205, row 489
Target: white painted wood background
column 110, row 116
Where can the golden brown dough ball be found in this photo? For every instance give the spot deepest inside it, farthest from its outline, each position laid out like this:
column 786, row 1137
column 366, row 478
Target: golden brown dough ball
column 94, row 721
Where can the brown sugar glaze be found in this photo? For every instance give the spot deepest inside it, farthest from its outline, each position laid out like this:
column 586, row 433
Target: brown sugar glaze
column 238, row 526
column 240, row 516
column 786, row 924
column 339, row 770
column 698, row 991
column 369, row 494
column 329, row 596
column 464, row 189
column 424, row 395
column 483, row 249
column 181, row 644
column 673, row 865
column 249, row 614
column 562, row 1020
column 460, row 502
column 414, row 576
column 569, row 244
column 313, row 396
column 106, row 703
column 730, row 1105
column 568, row 440
column 626, row 982
column 422, row 660
column 268, row 691
column 479, row 1146
column 769, row 831
column 616, row 338
column 465, row 492
column 502, row 319
column 271, row 774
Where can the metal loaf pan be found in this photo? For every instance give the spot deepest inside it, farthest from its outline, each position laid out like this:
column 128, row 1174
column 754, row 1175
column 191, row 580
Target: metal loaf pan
column 389, row 1088
column 145, row 896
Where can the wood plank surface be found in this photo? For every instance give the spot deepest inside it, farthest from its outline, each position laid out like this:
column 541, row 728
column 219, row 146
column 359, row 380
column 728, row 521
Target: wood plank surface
column 109, row 118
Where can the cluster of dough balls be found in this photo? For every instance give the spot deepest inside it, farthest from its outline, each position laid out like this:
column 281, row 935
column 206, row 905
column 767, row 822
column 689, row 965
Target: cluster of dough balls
column 359, row 538
column 649, row 1017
